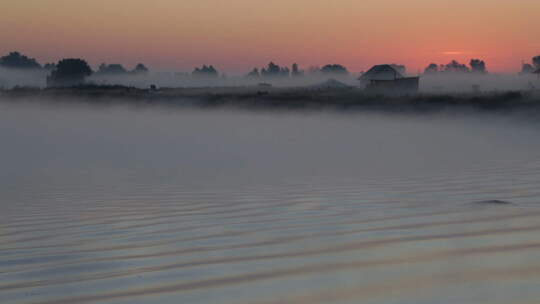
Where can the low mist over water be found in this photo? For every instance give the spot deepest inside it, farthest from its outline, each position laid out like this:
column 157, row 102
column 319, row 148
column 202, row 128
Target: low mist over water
column 163, row 205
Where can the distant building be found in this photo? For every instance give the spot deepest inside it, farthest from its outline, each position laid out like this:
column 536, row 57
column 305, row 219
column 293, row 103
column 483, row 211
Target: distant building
column 381, row 72
column 385, row 79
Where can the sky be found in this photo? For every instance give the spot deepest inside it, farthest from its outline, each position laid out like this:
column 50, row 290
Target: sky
column 237, row 35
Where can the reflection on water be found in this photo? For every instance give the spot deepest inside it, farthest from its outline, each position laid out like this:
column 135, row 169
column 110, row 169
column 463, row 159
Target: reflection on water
column 151, row 206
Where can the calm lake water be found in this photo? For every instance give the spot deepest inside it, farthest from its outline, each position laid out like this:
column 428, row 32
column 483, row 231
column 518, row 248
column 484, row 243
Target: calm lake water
column 120, row 205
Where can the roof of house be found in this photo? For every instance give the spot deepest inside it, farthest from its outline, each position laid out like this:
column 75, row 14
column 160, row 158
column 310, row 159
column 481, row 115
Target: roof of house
column 381, row 72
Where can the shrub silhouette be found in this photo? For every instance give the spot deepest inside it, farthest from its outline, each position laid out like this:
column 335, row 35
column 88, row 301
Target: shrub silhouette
column 478, row 66
column 336, row 69
column 69, row 72
column 16, row 60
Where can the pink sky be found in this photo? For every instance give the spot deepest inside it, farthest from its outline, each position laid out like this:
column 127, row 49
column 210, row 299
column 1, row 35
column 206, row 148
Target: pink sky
column 236, row 35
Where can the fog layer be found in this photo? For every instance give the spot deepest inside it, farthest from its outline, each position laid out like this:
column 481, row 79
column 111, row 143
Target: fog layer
column 245, row 147
column 429, row 83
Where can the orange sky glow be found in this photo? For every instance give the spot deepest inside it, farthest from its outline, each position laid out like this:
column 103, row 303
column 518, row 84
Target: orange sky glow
column 237, row 35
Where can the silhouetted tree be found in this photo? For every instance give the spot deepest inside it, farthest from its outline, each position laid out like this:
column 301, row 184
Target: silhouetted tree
column 335, row 69
column 16, row 60
column 536, row 62
column 432, row 68
column 456, row 67
column 69, row 72
column 478, row 66
column 254, row 73
column 527, row 69
column 140, row 69
column 296, row 72
column 205, row 72
column 111, row 69
column 273, row 71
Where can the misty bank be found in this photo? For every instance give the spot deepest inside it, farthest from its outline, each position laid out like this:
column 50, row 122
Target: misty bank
column 257, row 97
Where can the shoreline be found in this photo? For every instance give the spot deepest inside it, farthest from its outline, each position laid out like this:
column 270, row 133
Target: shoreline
column 293, row 98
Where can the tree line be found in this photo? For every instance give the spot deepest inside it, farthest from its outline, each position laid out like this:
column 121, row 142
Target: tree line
column 273, row 70
column 477, row 66
column 528, row 68
column 74, row 71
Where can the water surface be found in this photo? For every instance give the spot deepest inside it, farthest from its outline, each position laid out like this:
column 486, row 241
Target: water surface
column 120, row 205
